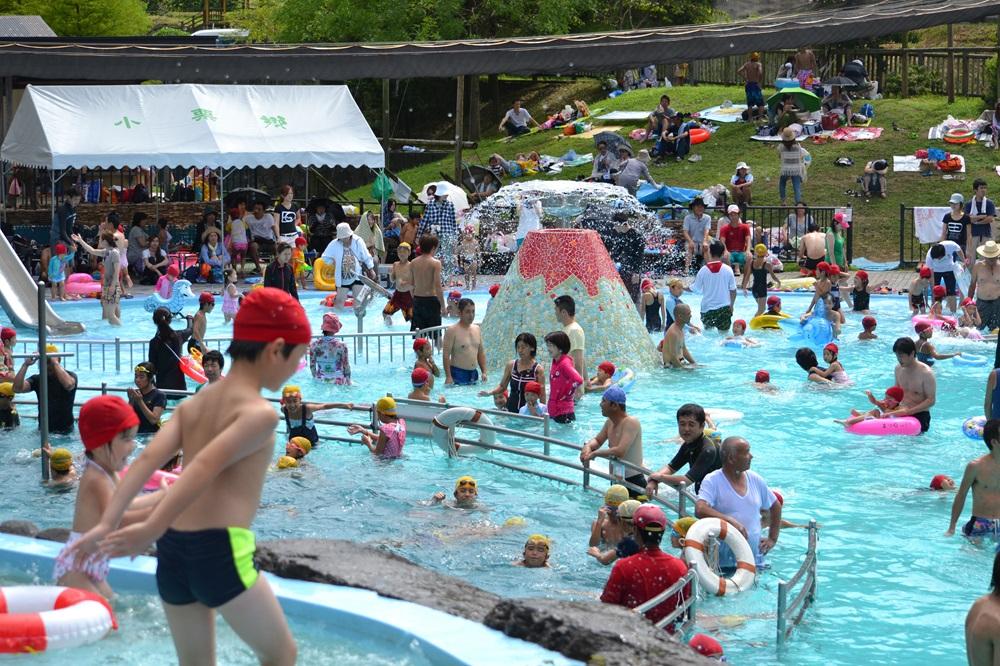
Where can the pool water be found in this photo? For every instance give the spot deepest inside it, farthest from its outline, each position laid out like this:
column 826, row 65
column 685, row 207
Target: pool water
column 892, row 588
column 144, row 638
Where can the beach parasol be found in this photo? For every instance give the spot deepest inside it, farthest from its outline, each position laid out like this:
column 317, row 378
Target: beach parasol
column 805, row 100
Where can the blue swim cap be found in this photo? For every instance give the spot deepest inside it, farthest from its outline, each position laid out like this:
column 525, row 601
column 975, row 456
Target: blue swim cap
column 615, row 394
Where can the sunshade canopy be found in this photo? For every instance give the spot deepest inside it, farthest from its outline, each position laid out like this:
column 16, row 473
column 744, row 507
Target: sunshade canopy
column 186, row 125
column 805, row 100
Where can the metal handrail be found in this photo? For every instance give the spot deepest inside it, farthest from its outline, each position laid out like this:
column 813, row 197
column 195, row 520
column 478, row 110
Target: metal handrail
column 687, row 605
column 806, row 596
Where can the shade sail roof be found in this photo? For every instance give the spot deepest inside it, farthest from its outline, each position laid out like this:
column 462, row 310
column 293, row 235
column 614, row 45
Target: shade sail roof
column 186, row 125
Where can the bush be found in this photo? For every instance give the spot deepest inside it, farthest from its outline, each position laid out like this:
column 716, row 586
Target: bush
column 990, row 82
column 167, row 31
column 922, row 81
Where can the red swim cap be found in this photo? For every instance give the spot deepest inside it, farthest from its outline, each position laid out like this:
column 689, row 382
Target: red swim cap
column 103, row 417
column 646, row 282
column 921, row 326
column 173, row 271
column 894, row 392
column 454, row 295
column 937, row 483
column 494, row 288
column 832, row 348
column 7, row 333
column 300, row 241
column 419, row 376
column 419, row 343
column 762, row 377
column 939, row 291
column 773, row 300
column 533, row 387
column 705, row 645
column 925, row 272
column 268, row 314
column 60, row 248
column 862, row 275
column 608, row 367
column 206, row 297
column 741, row 322
column 834, row 269
column 778, row 496
column 823, row 267
column 869, row 322
column 967, row 302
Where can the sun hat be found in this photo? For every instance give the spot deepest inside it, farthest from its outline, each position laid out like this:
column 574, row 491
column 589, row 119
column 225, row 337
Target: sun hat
column 344, row 231
column 840, row 219
column 61, row 459
column 732, row 208
column 331, row 323
column 386, row 405
column 742, row 165
column 989, row 250
column 102, row 418
column 615, row 495
column 894, row 392
column 788, row 134
column 956, row 198
column 615, row 394
column 607, row 366
column 628, row 508
column 650, row 518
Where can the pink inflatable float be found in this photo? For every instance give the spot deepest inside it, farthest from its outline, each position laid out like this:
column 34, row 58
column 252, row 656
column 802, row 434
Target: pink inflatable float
column 81, row 284
column 902, row 425
column 936, row 323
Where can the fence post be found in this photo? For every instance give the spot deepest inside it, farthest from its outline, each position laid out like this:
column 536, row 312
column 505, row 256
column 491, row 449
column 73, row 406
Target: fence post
column 546, row 426
column 586, row 475
column 904, row 76
column 782, row 602
column 813, row 536
column 118, row 354
column 951, row 65
column 43, row 380
column 902, row 249
column 104, row 388
column 681, row 500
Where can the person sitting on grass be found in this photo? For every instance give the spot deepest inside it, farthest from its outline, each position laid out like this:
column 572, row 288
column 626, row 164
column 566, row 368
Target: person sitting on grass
column 391, row 436
column 515, row 121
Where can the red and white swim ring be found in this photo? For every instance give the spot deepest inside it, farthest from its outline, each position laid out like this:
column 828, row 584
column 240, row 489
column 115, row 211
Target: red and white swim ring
column 37, row 618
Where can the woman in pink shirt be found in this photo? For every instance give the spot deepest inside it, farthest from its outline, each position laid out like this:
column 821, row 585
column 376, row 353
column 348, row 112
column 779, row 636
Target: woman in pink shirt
column 563, row 378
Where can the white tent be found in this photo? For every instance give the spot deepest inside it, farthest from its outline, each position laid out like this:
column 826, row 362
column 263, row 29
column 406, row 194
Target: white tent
column 190, row 125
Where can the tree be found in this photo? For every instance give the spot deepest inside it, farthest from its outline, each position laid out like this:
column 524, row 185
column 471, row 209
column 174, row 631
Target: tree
column 95, row 18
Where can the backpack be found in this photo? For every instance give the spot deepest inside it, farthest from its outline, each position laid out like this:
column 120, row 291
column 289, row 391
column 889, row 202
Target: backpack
column 868, row 110
column 950, row 164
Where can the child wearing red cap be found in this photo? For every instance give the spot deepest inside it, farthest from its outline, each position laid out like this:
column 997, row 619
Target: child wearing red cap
column 454, row 296
column 970, row 315
column 165, row 283
column 926, row 353
column 654, row 306
column 107, row 427
column 533, row 406
column 199, row 323
column 738, row 338
column 421, row 381
column 883, row 408
column 942, row 482
column 774, row 307
column 424, row 349
column 61, row 258
column 8, row 338
column 201, row 528
column 918, row 290
column 868, row 323
column 762, row 382
column 602, row 380
column 859, row 296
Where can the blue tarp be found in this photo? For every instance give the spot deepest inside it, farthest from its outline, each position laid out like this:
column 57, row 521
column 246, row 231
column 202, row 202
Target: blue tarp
column 664, row 195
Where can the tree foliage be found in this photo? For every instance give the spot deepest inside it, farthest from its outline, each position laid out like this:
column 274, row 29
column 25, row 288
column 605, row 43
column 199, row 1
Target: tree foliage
column 90, row 18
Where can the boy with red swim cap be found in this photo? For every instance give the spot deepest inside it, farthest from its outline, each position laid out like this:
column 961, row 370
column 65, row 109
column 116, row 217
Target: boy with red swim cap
column 107, row 427
column 201, row 527
column 424, row 349
column 884, row 408
column 918, row 290
column 421, row 380
column 868, row 323
column 942, row 482
column 602, row 380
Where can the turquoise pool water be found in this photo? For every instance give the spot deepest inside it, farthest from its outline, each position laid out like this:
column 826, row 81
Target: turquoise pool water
column 892, row 588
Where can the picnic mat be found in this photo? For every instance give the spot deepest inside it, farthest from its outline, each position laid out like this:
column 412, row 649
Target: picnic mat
column 869, row 265
column 775, row 139
column 625, row 115
column 911, row 164
column 856, row 133
column 717, row 114
column 589, row 134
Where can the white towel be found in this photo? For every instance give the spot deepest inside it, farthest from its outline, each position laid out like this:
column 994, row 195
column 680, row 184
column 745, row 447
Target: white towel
column 906, row 163
column 928, row 222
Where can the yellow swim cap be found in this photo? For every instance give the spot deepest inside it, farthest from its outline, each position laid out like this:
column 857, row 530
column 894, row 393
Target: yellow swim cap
column 301, row 442
column 465, row 481
column 386, row 405
column 615, row 495
column 627, row 508
column 7, row 390
column 51, row 349
column 541, row 539
column 514, row 521
column 682, row 525
column 404, row 244
column 61, row 460
column 287, row 461
column 760, row 249
column 290, row 389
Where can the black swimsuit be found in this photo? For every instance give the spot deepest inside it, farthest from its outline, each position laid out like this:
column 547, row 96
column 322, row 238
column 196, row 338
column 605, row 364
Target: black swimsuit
column 759, row 288
column 861, row 300
column 305, row 428
column 653, row 321
column 518, row 380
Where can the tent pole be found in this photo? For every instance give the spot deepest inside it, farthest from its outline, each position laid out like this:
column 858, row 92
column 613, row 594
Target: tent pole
column 222, row 205
column 52, row 194
column 385, row 120
column 459, row 121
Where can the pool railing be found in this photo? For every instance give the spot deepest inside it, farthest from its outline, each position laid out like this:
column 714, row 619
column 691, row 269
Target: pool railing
column 117, row 354
column 685, row 609
column 791, row 614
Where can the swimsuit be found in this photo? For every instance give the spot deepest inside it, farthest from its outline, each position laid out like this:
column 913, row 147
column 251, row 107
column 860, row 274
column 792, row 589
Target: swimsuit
column 759, row 288
column 395, row 436
column 401, row 301
column 834, row 296
column 720, row 318
column 426, row 314
column 925, row 420
column 518, row 380
column 464, row 377
column 861, row 300
column 212, row 566
column 9, row 418
column 979, row 527
column 840, row 377
column 230, row 304
column 924, row 357
column 653, row 321
column 811, row 264
column 306, row 428
column 94, row 566
column 918, row 300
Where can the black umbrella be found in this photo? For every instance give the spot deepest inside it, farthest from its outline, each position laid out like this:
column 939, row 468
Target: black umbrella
column 612, row 139
column 248, row 194
column 473, row 174
column 318, row 201
column 841, row 81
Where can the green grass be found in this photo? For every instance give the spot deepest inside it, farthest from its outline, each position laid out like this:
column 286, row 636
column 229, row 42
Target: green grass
column 876, row 222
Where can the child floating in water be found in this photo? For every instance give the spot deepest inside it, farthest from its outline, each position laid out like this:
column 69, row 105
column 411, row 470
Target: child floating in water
column 424, row 350
column 868, row 323
column 107, row 427
column 8, row 412
column 762, row 382
column 926, row 353
column 296, row 449
column 883, row 408
column 942, row 482
column 738, row 337
column 536, row 552
column 294, row 409
column 600, row 382
column 391, row 436
column 918, row 290
column 466, row 494
column 760, row 270
column 532, row 405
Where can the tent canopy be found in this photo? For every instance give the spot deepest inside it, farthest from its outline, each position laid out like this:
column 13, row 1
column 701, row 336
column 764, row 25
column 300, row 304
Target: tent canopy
column 60, row 127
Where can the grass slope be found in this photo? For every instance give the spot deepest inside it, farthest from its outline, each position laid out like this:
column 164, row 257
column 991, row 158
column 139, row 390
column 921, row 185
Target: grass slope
column 876, row 222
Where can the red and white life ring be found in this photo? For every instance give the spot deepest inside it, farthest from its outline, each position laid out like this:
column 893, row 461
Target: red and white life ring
column 959, row 135
column 193, row 370
column 443, row 430
column 694, row 555
column 37, row 618
column 699, row 135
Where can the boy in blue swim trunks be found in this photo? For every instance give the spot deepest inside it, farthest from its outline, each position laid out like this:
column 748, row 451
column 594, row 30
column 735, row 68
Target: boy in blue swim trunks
column 462, row 350
column 201, row 527
column 982, row 476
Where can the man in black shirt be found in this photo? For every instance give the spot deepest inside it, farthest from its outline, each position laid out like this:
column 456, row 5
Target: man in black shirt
column 626, row 247
column 62, row 390
column 697, row 450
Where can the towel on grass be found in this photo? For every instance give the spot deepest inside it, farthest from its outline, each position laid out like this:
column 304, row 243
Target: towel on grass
column 856, row 133
column 625, row 115
column 911, row 164
column 718, row 114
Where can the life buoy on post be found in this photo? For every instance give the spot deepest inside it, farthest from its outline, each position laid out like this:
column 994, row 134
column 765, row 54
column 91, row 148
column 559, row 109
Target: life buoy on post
column 35, row 618
column 694, row 555
column 443, row 430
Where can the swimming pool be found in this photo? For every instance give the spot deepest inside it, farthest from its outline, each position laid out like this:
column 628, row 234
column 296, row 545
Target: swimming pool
column 892, row 589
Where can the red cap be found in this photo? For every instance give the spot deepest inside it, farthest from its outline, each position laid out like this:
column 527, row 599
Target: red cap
column 494, row 288
column 60, row 248
column 834, row 269
column 300, row 241
column 331, row 324
column 894, row 392
column 925, row 272
column 869, row 322
column 454, row 295
column 533, row 387
column 646, row 282
column 921, row 326
column 967, row 302
column 773, row 300
column 103, row 417
column 608, row 367
column 862, row 274
column 705, row 645
column 173, row 271
column 778, row 496
column 823, row 266
column 937, row 483
column 7, row 333
column 762, row 377
column 419, row 343
column 832, row 347
column 741, row 322
column 419, row 376
column 939, row 291
column 206, row 297
column 268, row 314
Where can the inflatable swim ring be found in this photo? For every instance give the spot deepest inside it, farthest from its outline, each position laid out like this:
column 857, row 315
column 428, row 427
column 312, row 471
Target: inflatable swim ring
column 971, row 360
column 900, row 425
column 792, row 284
column 182, row 291
column 36, row 618
column 624, row 378
column 719, row 414
column 81, row 284
column 192, row 370
column 153, row 482
column 324, row 278
column 959, row 135
column 695, row 545
column 973, row 427
column 443, row 431
column 699, row 135
column 936, row 323
column 767, row 321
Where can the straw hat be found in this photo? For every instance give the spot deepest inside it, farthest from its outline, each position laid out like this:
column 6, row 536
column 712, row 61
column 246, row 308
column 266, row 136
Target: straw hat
column 211, row 230
column 989, row 250
column 644, row 156
column 742, row 165
column 788, row 134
